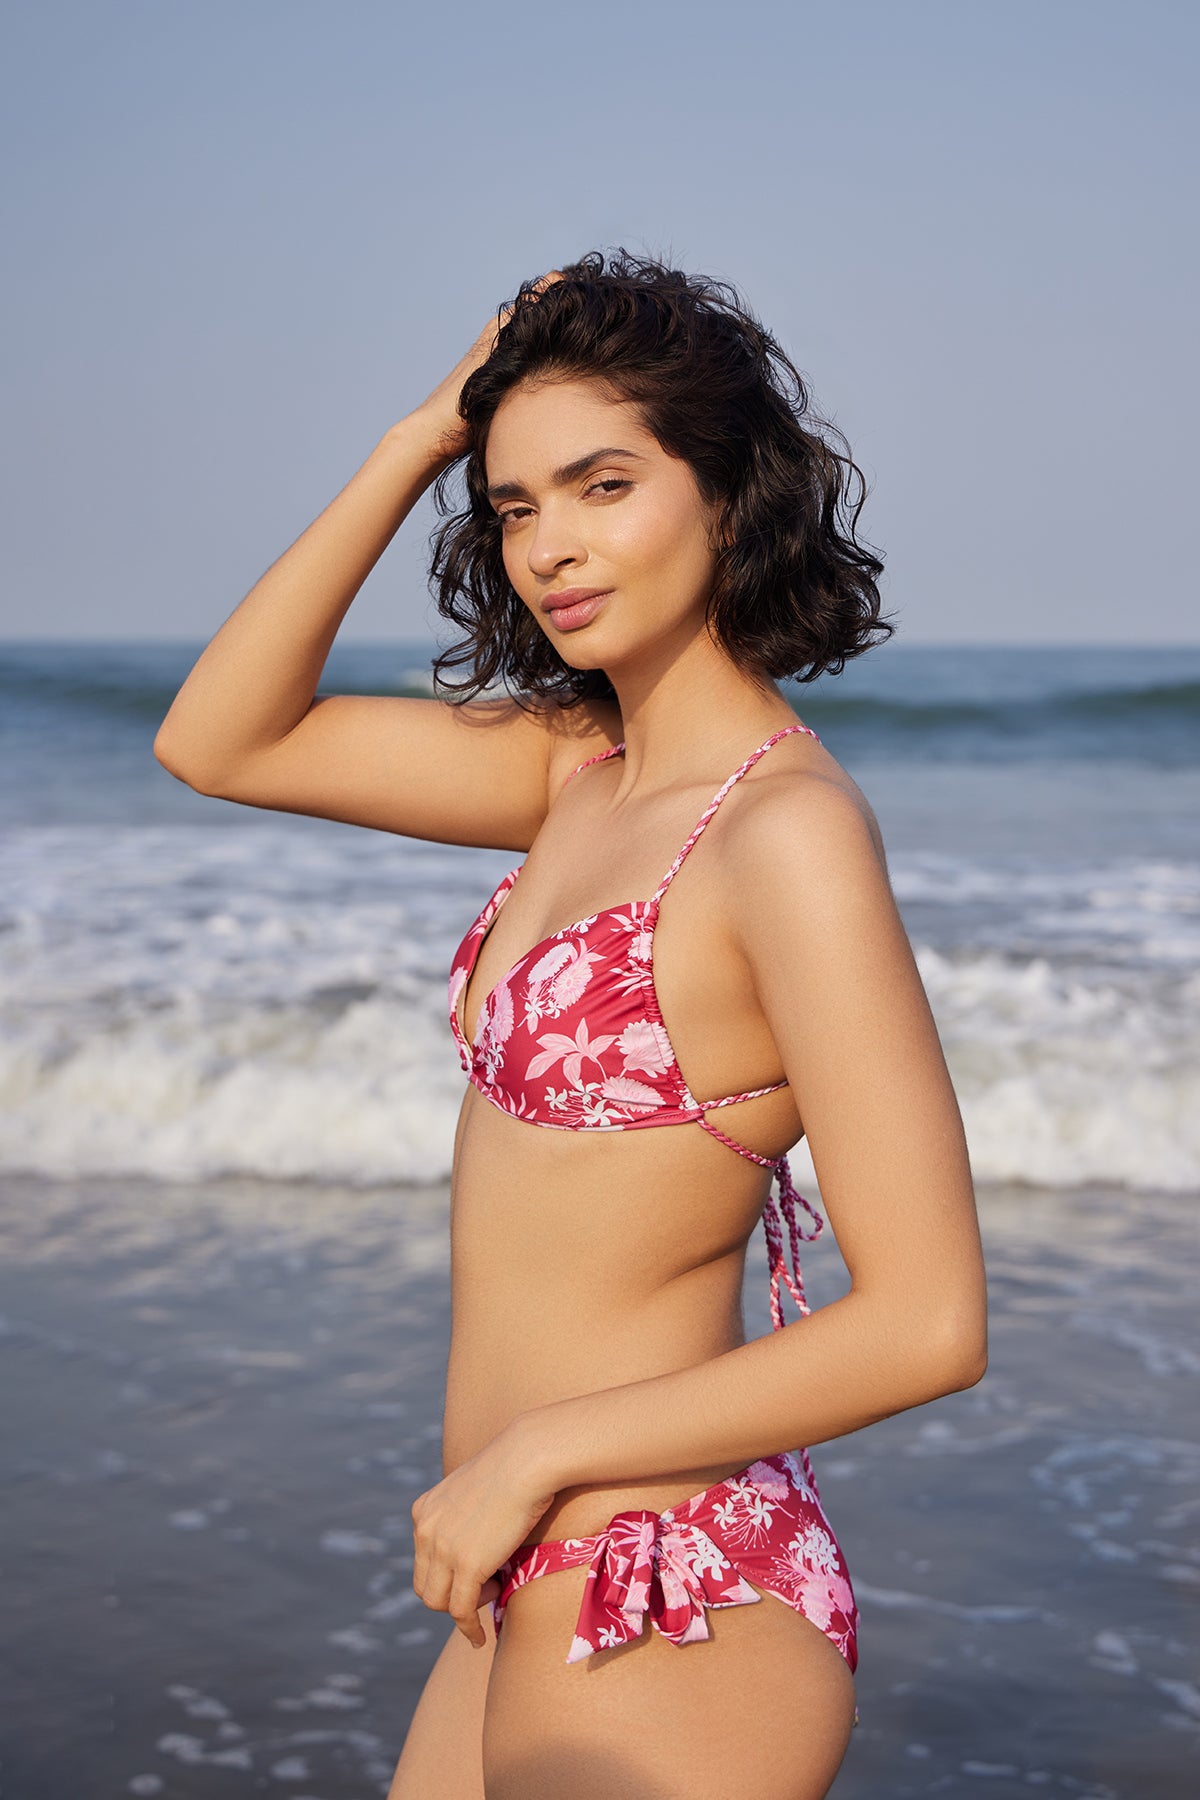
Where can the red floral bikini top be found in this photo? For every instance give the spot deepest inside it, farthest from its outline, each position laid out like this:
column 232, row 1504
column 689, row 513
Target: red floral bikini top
column 572, row 1036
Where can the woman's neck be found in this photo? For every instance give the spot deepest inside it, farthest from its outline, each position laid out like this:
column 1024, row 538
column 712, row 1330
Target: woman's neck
column 691, row 711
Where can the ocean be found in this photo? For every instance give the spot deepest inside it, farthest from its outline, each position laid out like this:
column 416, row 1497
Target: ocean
column 193, row 989
column 228, row 1092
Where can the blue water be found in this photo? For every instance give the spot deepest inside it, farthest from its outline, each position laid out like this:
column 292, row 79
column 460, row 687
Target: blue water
column 189, row 988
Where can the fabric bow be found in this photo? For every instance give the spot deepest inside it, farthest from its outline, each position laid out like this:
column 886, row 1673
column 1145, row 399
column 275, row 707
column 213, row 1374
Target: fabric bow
column 646, row 1563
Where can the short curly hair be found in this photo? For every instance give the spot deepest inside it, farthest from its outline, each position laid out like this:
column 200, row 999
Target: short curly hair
column 795, row 593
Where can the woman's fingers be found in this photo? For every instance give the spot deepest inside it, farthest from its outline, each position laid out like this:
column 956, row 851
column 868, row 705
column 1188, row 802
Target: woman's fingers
column 443, row 1589
column 441, row 407
column 464, row 1609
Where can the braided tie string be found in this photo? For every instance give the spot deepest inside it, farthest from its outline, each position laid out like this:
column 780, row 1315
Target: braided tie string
column 788, row 1201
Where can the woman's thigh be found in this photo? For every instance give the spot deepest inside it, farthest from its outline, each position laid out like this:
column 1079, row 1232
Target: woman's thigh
column 766, row 1703
column 442, row 1758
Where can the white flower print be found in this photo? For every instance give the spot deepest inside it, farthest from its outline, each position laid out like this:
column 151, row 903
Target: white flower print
column 815, row 1547
column 797, row 1478
column 583, row 1106
column 703, row 1555
column 579, row 925
column 745, row 1513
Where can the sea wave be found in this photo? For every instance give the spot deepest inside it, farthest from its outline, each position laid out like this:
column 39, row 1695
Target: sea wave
column 1063, row 1078
column 186, row 1002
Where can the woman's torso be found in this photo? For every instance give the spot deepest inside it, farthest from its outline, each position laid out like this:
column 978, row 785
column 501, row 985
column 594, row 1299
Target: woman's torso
column 584, row 1259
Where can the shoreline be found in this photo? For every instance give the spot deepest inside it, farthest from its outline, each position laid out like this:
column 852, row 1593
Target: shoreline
column 223, row 1396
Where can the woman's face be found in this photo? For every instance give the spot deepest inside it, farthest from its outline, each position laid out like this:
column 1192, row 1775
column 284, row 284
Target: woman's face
column 591, row 504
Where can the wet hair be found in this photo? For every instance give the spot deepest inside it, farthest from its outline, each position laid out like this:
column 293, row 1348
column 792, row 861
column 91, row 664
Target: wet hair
column 795, row 593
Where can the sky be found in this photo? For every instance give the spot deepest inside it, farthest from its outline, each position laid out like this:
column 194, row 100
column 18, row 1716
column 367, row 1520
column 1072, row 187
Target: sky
column 244, row 239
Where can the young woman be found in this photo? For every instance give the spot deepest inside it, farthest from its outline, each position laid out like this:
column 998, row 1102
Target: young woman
column 699, row 961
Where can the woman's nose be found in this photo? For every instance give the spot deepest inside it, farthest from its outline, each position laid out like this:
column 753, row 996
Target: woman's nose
column 554, row 544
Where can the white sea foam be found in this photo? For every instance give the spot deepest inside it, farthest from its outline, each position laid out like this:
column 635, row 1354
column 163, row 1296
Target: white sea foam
column 269, row 999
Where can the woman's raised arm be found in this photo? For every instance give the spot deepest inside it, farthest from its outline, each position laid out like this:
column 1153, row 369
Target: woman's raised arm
column 247, row 726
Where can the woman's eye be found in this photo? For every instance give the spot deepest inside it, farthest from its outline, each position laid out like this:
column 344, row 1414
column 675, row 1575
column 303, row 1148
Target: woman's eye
column 513, row 514
column 610, row 485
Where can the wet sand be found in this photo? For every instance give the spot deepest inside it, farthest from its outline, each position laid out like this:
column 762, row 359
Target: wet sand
column 220, row 1401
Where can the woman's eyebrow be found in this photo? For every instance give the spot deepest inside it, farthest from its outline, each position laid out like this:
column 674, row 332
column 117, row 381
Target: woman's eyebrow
column 512, row 490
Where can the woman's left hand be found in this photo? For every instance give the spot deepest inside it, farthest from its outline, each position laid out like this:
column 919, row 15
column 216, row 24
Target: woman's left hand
column 469, row 1524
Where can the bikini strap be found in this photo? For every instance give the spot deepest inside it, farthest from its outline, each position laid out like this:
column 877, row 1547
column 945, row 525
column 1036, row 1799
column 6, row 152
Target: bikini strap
column 602, row 755
column 774, row 1214
column 717, row 798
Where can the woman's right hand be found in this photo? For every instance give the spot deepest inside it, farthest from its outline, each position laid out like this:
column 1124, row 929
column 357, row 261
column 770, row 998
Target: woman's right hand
column 439, row 413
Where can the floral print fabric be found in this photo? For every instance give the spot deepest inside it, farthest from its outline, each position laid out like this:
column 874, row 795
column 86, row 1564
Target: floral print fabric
column 764, row 1525
column 573, row 1036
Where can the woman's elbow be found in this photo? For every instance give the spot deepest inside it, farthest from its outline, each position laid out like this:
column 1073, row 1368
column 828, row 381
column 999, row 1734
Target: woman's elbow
column 961, row 1356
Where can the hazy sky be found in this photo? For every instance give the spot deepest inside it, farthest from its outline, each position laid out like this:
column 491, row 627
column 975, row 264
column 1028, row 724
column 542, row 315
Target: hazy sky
column 242, row 239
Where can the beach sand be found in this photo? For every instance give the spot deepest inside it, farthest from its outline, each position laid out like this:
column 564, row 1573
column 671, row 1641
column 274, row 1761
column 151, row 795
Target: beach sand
column 221, row 1400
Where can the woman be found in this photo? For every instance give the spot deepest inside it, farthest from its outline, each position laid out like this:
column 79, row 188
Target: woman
column 651, row 540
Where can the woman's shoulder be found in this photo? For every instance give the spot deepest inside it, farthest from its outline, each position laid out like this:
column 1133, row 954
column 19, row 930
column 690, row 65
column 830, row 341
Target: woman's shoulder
column 804, row 819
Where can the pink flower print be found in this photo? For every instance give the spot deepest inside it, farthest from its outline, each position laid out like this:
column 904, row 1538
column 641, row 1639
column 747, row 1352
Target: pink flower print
column 497, row 1028
column 546, row 967
column 500, row 1015
column 637, row 1596
column 640, row 932
column 676, row 1593
column 645, row 1046
column 627, row 1092
column 538, row 980
column 566, row 987
column 739, row 1592
column 571, row 1052
column 768, row 1480
column 594, row 1110
column 526, row 1572
column 842, row 1596
column 816, row 1604
column 628, row 981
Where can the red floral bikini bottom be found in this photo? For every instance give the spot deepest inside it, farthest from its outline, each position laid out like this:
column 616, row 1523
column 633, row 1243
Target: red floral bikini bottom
column 764, row 1525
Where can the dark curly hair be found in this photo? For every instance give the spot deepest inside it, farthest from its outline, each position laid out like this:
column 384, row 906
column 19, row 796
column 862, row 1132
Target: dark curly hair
column 795, row 593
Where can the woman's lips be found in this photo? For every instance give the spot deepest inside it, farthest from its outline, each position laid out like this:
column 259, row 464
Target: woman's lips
column 579, row 612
